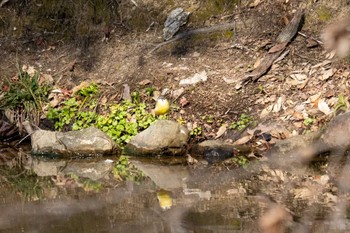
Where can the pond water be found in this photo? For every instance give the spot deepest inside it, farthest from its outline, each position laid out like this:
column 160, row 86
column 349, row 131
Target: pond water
column 176, row 199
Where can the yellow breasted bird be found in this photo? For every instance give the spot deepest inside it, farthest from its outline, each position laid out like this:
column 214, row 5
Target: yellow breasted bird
column 162, row 106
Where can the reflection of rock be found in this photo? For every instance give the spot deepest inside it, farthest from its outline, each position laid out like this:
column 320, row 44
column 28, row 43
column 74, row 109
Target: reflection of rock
column 162, row 138
column 165, row 177
column 85, row 142
column 46, row 168
column 94, row 170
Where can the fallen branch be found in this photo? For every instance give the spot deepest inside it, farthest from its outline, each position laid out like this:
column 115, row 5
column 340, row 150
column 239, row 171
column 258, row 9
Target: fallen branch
column 221, row 27
column 283, row 39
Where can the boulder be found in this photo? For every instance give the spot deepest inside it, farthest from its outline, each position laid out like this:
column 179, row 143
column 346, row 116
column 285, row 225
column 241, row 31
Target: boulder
column 164, row 137
column 85, row 142
column 333, row 140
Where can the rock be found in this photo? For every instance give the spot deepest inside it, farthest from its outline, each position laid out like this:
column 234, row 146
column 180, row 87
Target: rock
column 285, row 147
column 175, row 20
column 335, row 140
column 85, row 142
column 164, row 137
column 287, row 152
column 215, row 151
column 337, row 134
column 196, row 78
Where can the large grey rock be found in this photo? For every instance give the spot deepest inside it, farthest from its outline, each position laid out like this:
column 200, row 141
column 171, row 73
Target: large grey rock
column 334, row 139
column 85, row 142
column 291, row 152
column 164, row 137
column 176, row 18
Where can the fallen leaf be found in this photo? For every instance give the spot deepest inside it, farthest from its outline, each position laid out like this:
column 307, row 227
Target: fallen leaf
column 80, row 86
column 298, row 124
column 294, row 82
column 323, row 107
column 156, row 94
column 298, row 116
column 103, row 100
column 323, row 180
column 327, row 74
column 255, row 3
column 302, row 193
column 266, row 111
column 299, row 77
column 183, row 101
column 278, row 105
column 311, row 43
column 313, row 98
column 242, row 140
column 229, row 80
column 221, row 131
column 145, row 82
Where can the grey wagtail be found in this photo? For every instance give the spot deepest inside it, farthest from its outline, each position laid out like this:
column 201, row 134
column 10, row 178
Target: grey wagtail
column 162, row 106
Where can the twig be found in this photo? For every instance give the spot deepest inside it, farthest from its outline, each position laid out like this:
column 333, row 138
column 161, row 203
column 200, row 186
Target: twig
column 180, row 36
column 306, row 36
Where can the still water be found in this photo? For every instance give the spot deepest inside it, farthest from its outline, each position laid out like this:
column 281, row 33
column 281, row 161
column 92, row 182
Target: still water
column 183, row 199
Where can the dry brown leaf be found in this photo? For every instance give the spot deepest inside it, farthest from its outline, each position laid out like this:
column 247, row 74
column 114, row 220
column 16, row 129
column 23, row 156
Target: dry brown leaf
column 255, row 3
column 294, row 82
column 103, row 100
column 298, row 124
column 302, row 193
column 311, row 43
column 266, row 111
column 144, row 82
column 327, row 74
column 156, row 94
column 221, row 131
column 323, row 107
column 242, row 140
column 299, row 77
column 183, row 101
column 298, row 116
column 80, row 86
column 279, row 104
